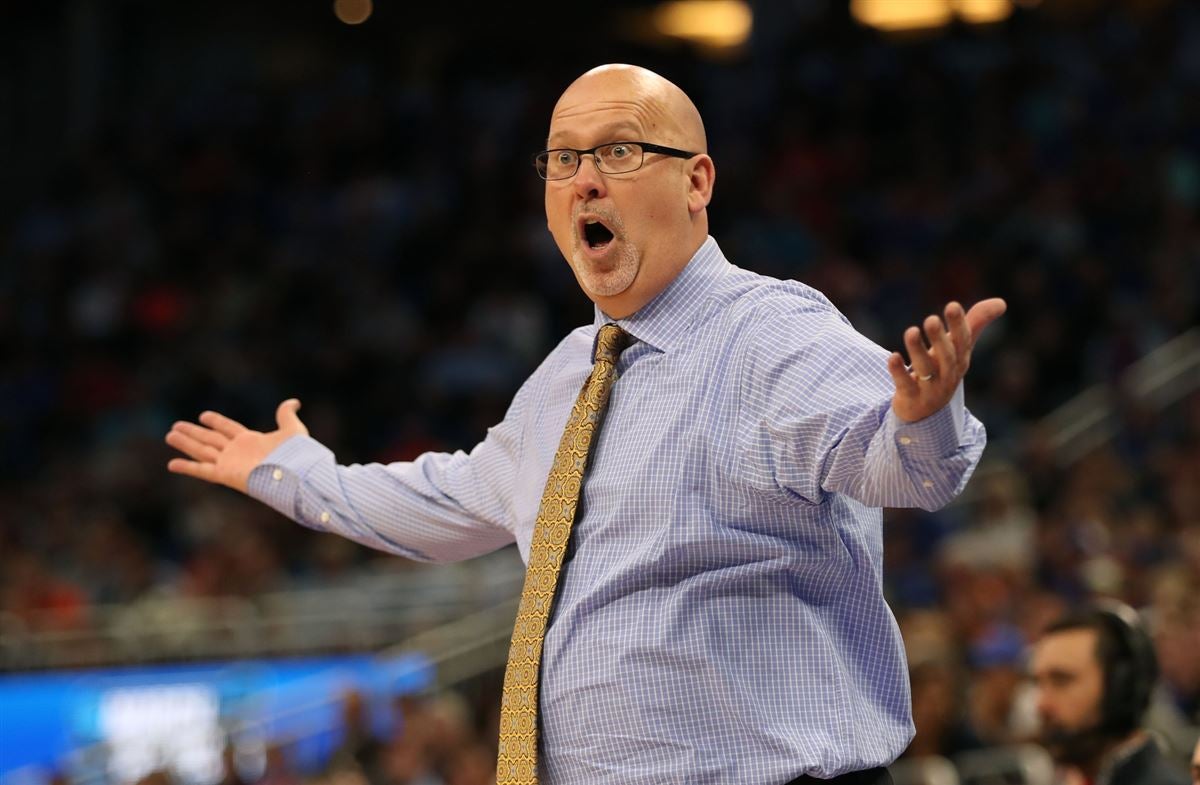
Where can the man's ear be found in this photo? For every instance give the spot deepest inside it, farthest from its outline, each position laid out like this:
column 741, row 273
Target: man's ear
column 701, row 177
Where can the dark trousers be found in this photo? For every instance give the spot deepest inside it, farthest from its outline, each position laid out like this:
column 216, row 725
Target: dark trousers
column 878, row 776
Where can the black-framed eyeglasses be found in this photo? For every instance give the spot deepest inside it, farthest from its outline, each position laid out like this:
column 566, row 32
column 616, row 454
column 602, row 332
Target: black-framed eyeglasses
column 612, row 158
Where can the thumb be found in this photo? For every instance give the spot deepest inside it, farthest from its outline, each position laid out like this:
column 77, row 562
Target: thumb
column 287, row 419
column 984, row 313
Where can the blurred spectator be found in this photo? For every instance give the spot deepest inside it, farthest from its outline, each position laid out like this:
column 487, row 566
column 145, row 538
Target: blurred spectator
column 997, row 663
column 1175, row 711
column 405, row 762
column 277, row 769
column 1001, row 530
column 449, row 729
column 157, row 777
column 230, row 771
column 1094, row 673
column 362, row 751
column 473, row 765
column 939, row 711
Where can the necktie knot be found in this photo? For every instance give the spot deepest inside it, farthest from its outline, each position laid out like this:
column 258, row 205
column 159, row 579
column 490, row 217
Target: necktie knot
column 610, row 342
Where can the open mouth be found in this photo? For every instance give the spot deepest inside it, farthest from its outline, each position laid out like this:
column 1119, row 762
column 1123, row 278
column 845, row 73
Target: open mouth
column 595, row 234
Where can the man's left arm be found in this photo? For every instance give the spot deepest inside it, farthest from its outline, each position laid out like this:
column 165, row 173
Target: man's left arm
column 924, row 448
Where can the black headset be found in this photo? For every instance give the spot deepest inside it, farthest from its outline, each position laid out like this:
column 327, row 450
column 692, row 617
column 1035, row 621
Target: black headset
column 1130, row 666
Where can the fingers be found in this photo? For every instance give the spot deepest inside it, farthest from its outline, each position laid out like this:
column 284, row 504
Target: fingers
column 192, row 447
column 941, row 347
column 950, row 343
column 924, row 386
column 960, row 331
column 904, row 381
column 222, row 424
column 202, row 435
column 936, row 371
column 201, row 471
column 918, row 355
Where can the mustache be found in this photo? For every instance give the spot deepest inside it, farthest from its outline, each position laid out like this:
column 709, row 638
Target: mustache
column 610, row 217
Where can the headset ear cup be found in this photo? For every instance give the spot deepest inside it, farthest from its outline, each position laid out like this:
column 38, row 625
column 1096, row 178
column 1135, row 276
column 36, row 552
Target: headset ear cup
column 1144, row 677
column 1130, row 672
column 1120, row 711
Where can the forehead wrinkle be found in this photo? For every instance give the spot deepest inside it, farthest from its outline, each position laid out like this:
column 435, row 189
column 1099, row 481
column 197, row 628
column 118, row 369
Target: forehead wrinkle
column 645, row 119
column 607, row 133
column 610, row 103
column 638, row 109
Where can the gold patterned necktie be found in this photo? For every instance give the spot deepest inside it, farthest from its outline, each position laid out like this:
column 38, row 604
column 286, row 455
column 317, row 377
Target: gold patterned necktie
column 517, row 760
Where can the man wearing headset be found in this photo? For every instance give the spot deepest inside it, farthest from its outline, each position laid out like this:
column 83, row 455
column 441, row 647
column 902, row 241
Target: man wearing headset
column 1093, row 673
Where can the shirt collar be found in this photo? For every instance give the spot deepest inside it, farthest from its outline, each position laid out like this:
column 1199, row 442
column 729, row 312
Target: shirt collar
column 667, row 319
column 1136, row 746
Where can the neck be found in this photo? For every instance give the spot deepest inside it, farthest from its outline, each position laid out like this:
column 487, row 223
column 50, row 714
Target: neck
column 652, row 281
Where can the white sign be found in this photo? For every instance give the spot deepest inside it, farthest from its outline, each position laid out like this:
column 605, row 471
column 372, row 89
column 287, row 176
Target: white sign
column 173, row 726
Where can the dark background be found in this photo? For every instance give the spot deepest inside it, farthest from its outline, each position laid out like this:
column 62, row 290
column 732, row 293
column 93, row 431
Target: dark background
column 220, row 205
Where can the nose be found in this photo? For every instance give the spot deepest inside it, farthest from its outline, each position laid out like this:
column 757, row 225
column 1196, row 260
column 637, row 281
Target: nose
column 589, row 182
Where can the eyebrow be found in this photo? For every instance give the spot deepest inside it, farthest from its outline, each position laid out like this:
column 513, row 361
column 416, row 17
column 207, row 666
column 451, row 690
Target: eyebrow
column 606, row 132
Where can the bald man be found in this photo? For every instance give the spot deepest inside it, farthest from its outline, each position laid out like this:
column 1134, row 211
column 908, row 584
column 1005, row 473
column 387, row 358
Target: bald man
column 718, row 616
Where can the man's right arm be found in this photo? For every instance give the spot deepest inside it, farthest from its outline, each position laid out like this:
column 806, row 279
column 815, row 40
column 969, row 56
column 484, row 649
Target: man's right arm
column 438, row 508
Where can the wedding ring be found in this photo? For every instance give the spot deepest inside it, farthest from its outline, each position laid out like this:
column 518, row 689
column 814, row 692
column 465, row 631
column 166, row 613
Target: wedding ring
column 926, row 377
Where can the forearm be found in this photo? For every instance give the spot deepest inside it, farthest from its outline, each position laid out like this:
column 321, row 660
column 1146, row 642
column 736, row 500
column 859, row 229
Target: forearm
column 885, row 462
column 438, row 508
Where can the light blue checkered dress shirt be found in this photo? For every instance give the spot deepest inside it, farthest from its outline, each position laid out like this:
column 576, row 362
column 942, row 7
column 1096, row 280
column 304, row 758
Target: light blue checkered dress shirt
column 721, row 617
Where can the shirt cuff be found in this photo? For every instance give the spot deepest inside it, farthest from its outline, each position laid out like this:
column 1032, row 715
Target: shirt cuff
column 276, row 481
column 937, row 436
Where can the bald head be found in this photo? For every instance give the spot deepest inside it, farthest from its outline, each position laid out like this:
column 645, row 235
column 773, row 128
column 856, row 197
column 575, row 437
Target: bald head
column 665, row 109
column 628, row 234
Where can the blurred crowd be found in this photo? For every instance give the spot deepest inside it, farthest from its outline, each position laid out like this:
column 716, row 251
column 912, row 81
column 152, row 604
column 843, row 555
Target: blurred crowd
column 426, row 740
column 364, row 231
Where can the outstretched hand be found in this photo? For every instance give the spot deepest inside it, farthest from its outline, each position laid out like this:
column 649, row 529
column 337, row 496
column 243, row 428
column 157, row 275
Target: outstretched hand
column 929, row 383
column 224, row 451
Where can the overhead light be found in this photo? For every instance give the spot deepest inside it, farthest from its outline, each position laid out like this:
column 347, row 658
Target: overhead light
column 979, row 12
column 712, row 23
column 352, row 12
column 901, row 15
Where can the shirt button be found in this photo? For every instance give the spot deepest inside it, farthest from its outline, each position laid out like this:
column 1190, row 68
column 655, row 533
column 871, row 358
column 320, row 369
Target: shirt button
column 906, row 440
column 928, row 483
column 324, row 517
column 277, row 474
